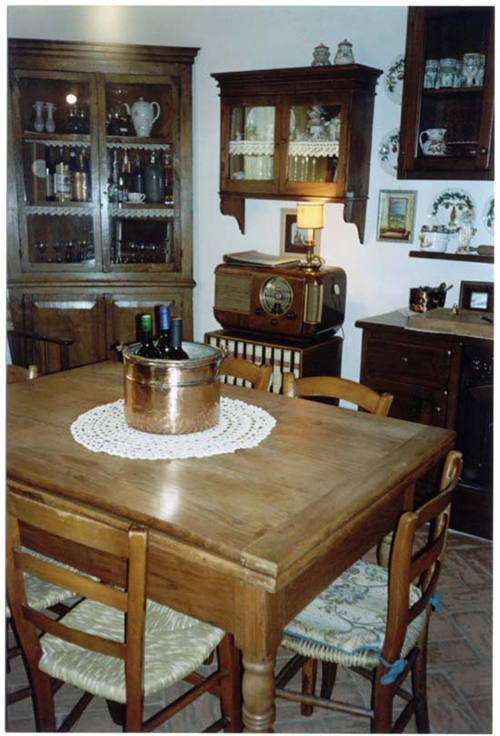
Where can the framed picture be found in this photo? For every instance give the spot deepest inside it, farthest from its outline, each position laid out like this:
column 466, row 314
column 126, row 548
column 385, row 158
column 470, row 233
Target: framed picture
column 292, row 237
column 396, row 216
column 476, row 296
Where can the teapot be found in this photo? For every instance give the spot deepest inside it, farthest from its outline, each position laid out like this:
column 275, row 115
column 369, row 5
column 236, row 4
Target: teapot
column 143, row 116
column 435, row 145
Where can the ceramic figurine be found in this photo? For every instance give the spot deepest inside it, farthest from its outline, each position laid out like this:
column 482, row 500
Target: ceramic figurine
column 471, row 70
column 321, row 56
column 431, row 73
column 344, row 53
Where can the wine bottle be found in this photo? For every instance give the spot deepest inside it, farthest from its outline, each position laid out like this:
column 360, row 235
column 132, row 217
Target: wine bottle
column 147, row 348
column 154, row 180
column 137, row 177
column 168, row 178
column 163, row 341
column 62, row 179
column 175, row 351
column 126, row 171
column 81, row 181
column 49, row 176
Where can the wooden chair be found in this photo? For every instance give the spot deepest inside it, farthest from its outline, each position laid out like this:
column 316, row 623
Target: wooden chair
column 16, row 373
column 337, row 388
column 258, row 375
column 113, row 643
column 376, row 621
column 50, row 354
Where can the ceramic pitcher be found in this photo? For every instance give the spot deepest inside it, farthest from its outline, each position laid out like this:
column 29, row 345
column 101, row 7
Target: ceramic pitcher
column 143, row 116
column 434, row 145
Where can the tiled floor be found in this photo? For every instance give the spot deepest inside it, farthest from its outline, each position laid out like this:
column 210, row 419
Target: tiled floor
column 459, row 671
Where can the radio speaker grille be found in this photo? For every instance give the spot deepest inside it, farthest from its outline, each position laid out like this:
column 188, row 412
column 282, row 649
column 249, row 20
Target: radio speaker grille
column 313, row 303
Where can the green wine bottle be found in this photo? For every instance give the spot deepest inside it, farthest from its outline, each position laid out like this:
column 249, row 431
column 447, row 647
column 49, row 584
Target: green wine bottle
column 147, row 348
column 175, row 351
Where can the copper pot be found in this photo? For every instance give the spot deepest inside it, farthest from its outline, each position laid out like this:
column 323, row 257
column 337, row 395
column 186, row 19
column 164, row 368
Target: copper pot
column 172, row 396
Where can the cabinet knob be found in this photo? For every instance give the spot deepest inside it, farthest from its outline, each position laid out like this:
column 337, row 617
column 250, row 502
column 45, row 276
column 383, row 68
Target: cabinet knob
column 405, row 359
column 437, row 409
column 483, row 150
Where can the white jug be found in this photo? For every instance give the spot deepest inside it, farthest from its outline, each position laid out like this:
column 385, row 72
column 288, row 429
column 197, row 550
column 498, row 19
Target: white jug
column 143, row 116
column 435, row 145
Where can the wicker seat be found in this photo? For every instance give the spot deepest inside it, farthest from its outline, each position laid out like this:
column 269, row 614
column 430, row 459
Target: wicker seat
column 257, row 375
column 375, row 621
column 113, row 643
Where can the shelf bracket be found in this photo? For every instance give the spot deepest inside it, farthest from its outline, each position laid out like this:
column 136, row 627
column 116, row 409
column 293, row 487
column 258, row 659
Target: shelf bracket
column 234, row 206
column 355, row 212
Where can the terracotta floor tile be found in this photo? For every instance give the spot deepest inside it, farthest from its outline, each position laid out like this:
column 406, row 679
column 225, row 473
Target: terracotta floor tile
column 483, row 708
column 457, row 597
column 442, row 626
column 443, row 654
column 448, row 712
column 478, row 628
column 472, row 682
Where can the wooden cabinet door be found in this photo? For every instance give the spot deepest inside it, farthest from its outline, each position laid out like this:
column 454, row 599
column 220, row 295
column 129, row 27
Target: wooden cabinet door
column 76, row 316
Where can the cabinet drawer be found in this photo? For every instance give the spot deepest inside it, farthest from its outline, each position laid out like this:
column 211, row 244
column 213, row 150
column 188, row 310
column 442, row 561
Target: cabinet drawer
column 403, row 362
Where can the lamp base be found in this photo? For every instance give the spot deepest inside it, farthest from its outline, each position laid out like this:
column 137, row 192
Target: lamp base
column 312, row 262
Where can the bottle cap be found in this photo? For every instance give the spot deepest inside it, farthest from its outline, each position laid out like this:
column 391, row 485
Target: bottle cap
column 146, row 322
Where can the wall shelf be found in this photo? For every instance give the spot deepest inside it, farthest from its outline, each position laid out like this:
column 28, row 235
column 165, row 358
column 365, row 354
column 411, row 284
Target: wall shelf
column 452, row 256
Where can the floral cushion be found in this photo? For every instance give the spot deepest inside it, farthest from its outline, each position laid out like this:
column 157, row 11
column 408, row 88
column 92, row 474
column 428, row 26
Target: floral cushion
column 346, row 623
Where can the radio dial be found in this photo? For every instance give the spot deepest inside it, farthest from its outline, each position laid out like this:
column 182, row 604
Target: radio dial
column 274, row 322
column 258, row 311
column 290, row 315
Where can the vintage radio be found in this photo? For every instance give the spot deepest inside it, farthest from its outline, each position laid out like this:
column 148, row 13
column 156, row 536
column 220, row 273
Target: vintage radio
column 283, row 301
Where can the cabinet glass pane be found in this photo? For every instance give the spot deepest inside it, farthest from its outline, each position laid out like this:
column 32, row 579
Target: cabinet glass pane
column 453, row 74
column 313, row 149
column 251, row 145
column 57, row 172
column 142, row 109
column 53, row 106
column 61, row 238
column 142, row 241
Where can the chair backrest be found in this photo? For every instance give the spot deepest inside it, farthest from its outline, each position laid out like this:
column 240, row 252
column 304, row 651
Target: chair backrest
column 258, row 375
column 418, row 563
column 122, row 547
column 49, row 353
column 16, row 373
column 338, row 388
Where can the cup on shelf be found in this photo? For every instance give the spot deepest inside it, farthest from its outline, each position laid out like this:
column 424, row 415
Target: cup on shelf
column 431, row 73
column 447, row 72
column 136, row 197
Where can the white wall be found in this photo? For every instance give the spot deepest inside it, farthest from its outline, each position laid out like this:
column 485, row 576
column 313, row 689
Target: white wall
column 258, row 37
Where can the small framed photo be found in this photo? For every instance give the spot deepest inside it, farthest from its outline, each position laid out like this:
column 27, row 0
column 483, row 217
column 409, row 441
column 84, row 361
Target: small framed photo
column 293, row 238
column 477, row 296
column 396, row 216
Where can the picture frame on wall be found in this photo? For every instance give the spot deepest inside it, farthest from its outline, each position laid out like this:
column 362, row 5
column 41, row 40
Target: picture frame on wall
column 476, row 296
column 396, row 216
column 292, row 238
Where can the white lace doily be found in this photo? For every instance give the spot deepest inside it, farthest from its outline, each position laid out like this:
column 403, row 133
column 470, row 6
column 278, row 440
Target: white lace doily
column 104, row 429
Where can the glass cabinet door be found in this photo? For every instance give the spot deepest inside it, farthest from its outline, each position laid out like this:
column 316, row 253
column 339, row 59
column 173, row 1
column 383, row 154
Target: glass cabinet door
column 447, row 114
column 141, row 145
column 251, row 153
column 316, row 140
column 59, row 170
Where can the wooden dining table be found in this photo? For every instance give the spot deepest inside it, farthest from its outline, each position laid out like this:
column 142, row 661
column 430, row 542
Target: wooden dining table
column 242, row 540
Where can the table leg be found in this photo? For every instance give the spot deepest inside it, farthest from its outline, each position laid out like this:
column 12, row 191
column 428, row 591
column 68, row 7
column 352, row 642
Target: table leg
column 259, row 635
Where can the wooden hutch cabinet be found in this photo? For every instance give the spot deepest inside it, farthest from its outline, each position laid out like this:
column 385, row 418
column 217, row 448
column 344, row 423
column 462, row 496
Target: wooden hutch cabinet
column 445, row 380
column 448, row 86
column 297, row 134
column 99, row 202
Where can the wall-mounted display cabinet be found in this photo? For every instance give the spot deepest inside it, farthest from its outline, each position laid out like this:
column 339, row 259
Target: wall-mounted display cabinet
column 447, row 108
column 297, row 134
column 100, row 195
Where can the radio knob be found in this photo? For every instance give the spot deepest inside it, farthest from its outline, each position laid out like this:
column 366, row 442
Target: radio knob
column 259, row 311
column 274, row 322
column 290, row 315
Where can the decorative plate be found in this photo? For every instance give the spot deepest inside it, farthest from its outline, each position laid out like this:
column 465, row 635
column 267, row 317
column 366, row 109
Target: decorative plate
column 489, row 215
column 388, row 151
column 394, row 78
column 449, row 206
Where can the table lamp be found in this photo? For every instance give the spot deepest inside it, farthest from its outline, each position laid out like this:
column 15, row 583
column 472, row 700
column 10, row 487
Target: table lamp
column 310, row 218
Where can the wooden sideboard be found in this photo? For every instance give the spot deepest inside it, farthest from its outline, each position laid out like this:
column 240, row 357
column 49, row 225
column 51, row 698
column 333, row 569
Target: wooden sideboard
column 445, row 380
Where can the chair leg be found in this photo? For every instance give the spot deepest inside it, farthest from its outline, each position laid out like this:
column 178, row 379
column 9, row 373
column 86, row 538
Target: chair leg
column 229, row 658
column 328, row 679
column 382, row 697
column 419, row 682
column 43, row 701
column 309, row 675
